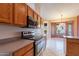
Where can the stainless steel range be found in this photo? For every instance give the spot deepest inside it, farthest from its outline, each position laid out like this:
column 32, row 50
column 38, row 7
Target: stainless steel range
column 39, row 41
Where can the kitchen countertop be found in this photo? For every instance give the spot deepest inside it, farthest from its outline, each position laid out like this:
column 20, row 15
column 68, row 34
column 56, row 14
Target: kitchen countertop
column 71, row 37
column 13, row 46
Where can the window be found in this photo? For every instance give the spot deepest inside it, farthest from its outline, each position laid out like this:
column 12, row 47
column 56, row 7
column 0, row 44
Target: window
column 60, row 29
column 69, row 29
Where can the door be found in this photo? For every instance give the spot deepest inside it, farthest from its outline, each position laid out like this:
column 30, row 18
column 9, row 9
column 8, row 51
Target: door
column 53, row 29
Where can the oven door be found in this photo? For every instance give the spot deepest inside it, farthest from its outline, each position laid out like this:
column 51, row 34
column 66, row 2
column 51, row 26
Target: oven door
column 38, row 47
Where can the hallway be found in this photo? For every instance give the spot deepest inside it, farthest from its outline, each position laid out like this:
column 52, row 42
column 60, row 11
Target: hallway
column 55, row 47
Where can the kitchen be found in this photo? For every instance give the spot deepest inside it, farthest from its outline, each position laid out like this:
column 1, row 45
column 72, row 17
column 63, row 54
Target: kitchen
column 27, row 31
column 21, row 30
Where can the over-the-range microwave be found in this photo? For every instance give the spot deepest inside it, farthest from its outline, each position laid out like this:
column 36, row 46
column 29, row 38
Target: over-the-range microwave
column 31, row 23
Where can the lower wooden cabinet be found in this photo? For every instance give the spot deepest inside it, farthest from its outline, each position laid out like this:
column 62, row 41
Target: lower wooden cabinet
column 72, row 47
column 25, row 51
column 29, row 53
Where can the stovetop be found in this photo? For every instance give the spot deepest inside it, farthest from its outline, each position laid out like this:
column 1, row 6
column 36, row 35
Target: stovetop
column 35, row 38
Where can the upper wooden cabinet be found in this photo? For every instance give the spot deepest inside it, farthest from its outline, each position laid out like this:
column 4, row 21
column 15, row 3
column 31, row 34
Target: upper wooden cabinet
column 39, row 19
column 16, row 13
column 20, row 14
column 6, row 13
column 35, row 16
column 30, row 12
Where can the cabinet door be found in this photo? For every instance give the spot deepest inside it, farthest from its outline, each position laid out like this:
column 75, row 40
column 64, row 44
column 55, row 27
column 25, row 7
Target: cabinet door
column 24, row 50
column 41, row 22
column 30, row 53
column 6, row 13
column 39, row 25
column 20, row 14
column 35, row 16
column 30, row 12
column 72, row 47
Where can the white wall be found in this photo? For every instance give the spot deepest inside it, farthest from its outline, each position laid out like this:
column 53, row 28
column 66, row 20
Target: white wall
column 48, row 28
column 53, row 11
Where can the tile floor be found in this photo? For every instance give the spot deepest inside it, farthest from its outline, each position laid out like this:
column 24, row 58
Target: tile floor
column 55, row 47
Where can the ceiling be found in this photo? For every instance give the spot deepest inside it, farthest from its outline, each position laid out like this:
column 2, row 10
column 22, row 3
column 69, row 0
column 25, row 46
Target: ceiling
column 52, row 11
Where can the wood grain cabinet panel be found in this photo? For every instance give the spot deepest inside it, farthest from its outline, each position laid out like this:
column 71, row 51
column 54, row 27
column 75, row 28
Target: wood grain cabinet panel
column 6, row 13
column 30, row 12
column 39, row 24
column 72, row 47
column 24, row 50
column 16, row 14
column 35, row 16
column 30, row 53
column 20, row 14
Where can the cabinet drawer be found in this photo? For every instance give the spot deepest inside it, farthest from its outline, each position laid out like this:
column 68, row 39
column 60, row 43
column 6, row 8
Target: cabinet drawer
column 30, row 53
column 72, row 49
column 23, row 50
column 72, row 41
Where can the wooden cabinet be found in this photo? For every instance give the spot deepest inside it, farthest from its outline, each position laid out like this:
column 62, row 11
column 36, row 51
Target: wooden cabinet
column 39, row 24
column 13, row 13
column 30, row 53
column 25, row 51
column 77, row 26
column 20, row 14
column 30, row 12
column 35, row 16
column 72, row 47
column 16, row 14
column 6, row 13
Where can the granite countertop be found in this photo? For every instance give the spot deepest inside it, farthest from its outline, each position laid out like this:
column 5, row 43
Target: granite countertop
column 13, row 46
column 71, row 37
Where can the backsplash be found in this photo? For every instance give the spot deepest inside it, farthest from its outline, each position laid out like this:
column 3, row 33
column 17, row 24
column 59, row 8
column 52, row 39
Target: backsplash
column 8, row 34
column 8, row 31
